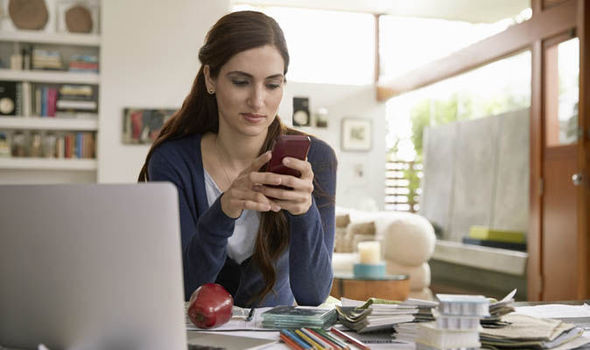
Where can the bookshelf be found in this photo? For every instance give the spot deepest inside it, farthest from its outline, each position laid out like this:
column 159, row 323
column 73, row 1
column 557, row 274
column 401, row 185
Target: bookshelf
column 39, row 123
column 49, row 77
column 48, row 164
column 30, row 120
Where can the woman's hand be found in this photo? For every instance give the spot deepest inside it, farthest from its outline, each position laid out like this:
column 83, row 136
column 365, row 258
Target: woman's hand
column 242, row 193
column 296, row 200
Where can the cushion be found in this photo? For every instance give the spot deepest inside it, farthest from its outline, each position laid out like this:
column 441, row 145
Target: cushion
column 361, row 228
column 341, row 242
column 419, row 275
column 409, row 240
column 342, row 220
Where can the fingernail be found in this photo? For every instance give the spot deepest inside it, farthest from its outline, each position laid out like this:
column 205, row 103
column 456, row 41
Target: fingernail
column 276, row 208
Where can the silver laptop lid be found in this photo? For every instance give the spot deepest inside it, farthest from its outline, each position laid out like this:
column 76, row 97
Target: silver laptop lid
column 91, row 267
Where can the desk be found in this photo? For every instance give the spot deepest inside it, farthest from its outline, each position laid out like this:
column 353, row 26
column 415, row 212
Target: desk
column 405, row 346
column 392, row 287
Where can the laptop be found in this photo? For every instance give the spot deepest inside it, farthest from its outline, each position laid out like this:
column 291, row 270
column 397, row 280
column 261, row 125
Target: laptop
column 91, row 267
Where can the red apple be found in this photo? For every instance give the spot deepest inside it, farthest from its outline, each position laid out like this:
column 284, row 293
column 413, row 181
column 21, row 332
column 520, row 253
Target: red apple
column 210, row 306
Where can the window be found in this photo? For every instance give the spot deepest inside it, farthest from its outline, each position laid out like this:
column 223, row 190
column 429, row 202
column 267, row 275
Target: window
column 330, row 47
column 496, row 88
column 562, row 69
column 409, row 43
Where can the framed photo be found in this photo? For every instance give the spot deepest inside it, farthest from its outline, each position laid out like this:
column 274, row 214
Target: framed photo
column 77, row 16
column 357, row 134
column 142, row 126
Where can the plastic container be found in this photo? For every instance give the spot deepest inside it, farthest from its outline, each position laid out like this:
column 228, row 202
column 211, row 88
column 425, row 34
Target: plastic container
column 457, row 322
column 463, row 305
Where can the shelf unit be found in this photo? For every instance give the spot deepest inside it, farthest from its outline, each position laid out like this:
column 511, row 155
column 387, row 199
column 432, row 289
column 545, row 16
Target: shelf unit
column 89, row 122
column 47, row 164
column 49, row 77
column 45, row 123
column 36, row 37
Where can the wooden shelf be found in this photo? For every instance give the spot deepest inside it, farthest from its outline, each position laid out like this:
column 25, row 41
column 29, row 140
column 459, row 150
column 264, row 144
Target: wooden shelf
column 30, row 36
column 49, row 76
column 47, row 123
column 48, row 164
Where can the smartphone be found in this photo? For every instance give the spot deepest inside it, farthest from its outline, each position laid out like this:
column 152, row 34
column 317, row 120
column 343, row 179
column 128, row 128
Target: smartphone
column 295, row 146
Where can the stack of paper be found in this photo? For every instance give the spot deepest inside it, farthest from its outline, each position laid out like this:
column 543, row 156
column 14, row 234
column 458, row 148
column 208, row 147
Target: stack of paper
column 457, row 323
column 497, row 310
column 525, row 331
column 378, row 314
column 298, row 316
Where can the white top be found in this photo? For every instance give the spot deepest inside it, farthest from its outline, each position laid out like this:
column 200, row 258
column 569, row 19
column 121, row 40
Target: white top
column 240, row 245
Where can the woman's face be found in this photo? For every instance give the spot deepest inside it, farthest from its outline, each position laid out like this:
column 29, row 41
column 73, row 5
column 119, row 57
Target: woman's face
column 249, row 89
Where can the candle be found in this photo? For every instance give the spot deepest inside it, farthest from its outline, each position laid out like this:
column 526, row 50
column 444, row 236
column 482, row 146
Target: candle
column 370, row 252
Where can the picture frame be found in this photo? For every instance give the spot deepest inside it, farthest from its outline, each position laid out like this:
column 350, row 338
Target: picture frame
column 142, row 126
column 356, row 135
column 62, row 6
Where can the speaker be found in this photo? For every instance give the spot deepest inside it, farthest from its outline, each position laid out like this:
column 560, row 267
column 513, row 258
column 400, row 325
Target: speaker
column 301, row 115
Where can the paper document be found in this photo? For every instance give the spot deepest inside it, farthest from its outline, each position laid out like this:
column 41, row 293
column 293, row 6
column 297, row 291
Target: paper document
column 555, row 310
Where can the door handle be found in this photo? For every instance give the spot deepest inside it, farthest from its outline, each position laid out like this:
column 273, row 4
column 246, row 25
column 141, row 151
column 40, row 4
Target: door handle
column 577, row 179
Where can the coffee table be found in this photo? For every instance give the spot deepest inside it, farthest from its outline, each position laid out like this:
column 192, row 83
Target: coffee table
column 392, row 287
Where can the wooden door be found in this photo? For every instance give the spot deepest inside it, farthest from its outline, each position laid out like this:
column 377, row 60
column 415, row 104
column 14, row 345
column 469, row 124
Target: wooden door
column 560, row 229
column 561, row 258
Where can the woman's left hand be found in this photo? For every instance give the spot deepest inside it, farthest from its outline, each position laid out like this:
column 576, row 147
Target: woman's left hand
column 296, row 200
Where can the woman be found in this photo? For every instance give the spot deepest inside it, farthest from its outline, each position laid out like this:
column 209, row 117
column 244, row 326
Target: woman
column 264, row 251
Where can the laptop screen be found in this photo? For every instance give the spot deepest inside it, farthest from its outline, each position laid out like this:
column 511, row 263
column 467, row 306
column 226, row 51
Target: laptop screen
column 91, row 266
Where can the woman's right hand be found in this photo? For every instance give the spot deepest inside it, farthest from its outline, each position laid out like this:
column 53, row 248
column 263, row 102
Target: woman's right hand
column 243, row 193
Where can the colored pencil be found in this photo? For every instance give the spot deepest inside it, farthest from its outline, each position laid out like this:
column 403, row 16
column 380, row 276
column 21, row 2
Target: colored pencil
column 350, row 339
column 317, row 339
column 333, row 338
column 309, row 340
column 325, row 339
column 290, row 343
column 296, row 339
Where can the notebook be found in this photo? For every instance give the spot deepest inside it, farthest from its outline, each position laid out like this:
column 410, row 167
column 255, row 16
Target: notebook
column 91, row 267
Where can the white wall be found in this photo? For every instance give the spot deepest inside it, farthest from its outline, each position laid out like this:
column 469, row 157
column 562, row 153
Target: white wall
column 361, row 175
column 149, row 59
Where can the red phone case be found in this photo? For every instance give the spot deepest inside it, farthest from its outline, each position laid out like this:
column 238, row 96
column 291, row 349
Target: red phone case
column 295, row 146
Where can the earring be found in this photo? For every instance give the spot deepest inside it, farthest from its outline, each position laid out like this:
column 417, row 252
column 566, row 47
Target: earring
column 211, row 91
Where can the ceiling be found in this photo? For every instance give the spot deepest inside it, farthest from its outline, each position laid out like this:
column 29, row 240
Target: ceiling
column 477, row 11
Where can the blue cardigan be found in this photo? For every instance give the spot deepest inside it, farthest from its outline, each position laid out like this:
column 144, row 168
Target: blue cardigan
column 304, row 270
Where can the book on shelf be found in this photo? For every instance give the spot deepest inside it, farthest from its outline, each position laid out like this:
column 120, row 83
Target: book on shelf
column 495, row 244
column 487, row 233
column 46, row 59
column 47, row 144
column 83, row 63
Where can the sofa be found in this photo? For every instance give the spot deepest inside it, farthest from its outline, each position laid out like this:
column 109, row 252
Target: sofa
column 407, row 243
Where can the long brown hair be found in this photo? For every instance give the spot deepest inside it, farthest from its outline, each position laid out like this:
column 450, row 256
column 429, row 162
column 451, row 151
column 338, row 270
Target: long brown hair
column 232, row 34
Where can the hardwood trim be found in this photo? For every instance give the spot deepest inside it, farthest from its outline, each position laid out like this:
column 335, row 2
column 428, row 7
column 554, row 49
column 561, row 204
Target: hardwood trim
column 584, row 152
column 545, row 24
column 534, row 236
column 559, row 38
column 537, row 7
